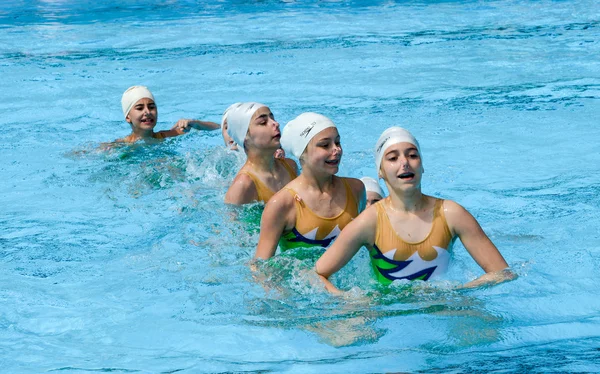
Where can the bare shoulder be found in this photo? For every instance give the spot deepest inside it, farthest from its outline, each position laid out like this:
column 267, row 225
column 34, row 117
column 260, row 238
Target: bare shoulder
column 356, row 185
column 242, row 190
column 368, row 216
column 458, row 218
column 280, row 210
column 453, row 209
column 364, row 226
column 359, row 191
column 283, row 200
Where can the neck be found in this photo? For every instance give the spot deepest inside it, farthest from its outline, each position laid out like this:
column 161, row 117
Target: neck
column 261, row 160
column 320, row 182
column 140, row 133
column 407, row 201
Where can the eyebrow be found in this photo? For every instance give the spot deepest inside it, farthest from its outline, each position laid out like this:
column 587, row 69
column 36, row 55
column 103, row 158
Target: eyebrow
column 267, row 115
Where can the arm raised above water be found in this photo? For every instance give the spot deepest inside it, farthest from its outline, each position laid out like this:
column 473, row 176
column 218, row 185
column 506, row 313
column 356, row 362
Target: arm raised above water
column 242, row 190
column 279, row 216
column 479, row 246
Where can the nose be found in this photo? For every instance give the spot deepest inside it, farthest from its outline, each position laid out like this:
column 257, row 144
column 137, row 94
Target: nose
column 404, row 162
column 337, row 149
column 275, row 123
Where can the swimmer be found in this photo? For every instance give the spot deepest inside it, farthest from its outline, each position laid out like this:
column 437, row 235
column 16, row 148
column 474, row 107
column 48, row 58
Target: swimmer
column 312, row 209
column 229, row 143
column 140, row 111
column 408, row 234
column 374, row 191
column 253, row 127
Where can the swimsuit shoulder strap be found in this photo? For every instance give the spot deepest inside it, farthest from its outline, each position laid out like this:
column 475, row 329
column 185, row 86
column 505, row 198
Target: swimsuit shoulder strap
column 289, row 168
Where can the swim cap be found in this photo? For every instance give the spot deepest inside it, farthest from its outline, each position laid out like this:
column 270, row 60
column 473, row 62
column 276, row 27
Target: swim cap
column 299, row 131
column 372, row 185
column 132, row 95
column 226, row 112
column 390, row 136
column 238, row 120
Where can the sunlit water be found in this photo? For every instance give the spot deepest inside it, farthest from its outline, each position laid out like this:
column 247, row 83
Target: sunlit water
column 128, row 261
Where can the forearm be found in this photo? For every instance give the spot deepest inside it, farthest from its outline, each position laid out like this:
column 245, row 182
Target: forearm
column 204, row 125
column 491, row 278
column 329, row 286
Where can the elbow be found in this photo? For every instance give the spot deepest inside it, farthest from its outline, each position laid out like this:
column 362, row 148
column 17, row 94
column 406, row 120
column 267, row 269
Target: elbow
column 320, row 271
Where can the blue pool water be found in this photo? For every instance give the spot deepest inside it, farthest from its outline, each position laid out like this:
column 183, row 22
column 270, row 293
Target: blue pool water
column 127, row 260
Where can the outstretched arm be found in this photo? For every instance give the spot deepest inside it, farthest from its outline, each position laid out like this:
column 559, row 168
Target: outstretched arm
column 184, row 125
column 479, row 246
column 359, row 232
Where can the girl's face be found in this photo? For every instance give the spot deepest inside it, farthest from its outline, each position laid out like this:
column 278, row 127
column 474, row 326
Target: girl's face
column 263, row 132
column 372, row 198
column 324, row 152
column 143, row 115
column 401, row 166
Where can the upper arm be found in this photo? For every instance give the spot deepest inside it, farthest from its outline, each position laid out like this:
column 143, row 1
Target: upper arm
column 242, row 191
column 170, row 133
column 279, row 214
column 359, row 232
column 474, row 239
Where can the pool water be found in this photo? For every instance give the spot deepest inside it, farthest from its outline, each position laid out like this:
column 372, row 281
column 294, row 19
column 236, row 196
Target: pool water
column 128, row 261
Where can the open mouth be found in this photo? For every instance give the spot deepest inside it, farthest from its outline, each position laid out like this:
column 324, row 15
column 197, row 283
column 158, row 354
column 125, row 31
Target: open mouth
column 407, row 175
column 333, row 162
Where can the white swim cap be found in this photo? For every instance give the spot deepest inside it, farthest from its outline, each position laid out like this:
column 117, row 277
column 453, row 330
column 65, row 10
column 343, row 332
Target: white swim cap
column 390, row 136
column 132, row 95
column 226, row 112
column 238, row 120
column 298, row 132
column 371, row 185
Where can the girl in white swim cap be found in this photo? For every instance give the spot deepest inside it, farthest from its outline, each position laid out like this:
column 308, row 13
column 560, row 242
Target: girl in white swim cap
column 253, row 128
column 312, row 209
column 374, row 191
column 141, row 112
column 229, row 142
column 409, row 235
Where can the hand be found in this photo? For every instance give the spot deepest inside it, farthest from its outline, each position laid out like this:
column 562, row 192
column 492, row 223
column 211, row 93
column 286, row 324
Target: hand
column 280, row 153
column 182, row 126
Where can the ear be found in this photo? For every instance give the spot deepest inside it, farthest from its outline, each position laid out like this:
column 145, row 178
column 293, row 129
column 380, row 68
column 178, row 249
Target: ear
column 128, row 119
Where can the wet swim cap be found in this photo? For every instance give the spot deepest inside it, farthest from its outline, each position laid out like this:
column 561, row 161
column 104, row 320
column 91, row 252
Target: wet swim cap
column 371, row 185
column 132, row 95
column 238, row 120
column 226, row 112
column 390, row 136
column 299, row 131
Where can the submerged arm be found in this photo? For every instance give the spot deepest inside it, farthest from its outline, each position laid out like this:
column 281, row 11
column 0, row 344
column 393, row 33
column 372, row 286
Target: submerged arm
column 357, row 233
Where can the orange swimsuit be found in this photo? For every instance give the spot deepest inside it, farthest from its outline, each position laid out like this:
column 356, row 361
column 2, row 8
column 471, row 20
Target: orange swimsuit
column 263, row 191
column 312, row 230
column 393, row 258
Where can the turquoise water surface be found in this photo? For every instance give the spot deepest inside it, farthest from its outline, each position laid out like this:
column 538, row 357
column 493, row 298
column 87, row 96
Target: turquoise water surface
column 128, row 261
